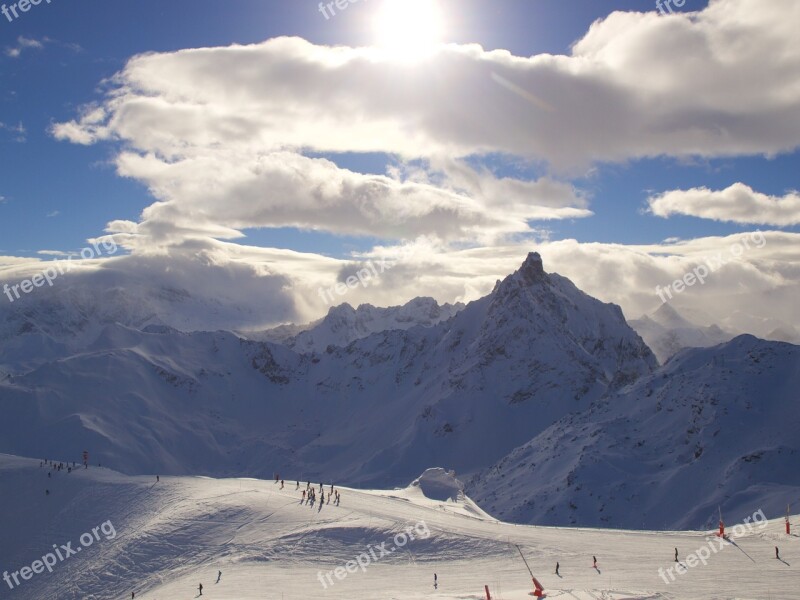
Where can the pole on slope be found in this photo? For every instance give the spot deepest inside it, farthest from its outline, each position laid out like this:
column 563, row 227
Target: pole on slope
column 523, row 560
column 538, row 590
column 721, row 524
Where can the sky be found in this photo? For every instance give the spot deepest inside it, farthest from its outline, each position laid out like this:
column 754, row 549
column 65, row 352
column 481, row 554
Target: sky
column 286, row 143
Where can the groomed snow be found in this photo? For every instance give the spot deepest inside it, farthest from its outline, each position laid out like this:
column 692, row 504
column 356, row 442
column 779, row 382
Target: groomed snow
column 175, row 534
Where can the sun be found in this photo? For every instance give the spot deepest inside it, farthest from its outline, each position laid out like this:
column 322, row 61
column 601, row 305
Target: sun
column 409, row 29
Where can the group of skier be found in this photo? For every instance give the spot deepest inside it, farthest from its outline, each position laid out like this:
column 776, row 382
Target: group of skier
column 57, row 467
column 310, row 495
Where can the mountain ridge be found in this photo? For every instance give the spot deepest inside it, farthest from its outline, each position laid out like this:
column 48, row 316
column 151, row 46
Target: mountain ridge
column 466, row 392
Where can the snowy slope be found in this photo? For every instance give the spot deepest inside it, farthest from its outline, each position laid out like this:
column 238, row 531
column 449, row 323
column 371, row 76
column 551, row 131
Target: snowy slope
column 344, row 324
column 667, row 332
column 160, row 540
column 714, row 427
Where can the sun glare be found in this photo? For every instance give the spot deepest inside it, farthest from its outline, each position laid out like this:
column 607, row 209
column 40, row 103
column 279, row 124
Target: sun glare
column 409, row 29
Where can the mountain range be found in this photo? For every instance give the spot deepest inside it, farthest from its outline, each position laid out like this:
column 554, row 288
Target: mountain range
column 544, row 399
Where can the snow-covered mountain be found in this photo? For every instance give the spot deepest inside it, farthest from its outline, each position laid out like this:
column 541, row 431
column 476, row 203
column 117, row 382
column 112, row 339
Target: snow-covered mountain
column 667, row 332
column 343, row 324
column 60, row 321
column 375, row 412
column 714, row 427
column 477, row 392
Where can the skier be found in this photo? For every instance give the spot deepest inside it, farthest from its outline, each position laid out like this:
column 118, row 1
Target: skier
column 47, row 492
column 298, row 485
column 133, row 595
column 676, row 555
column 200, row 587
column 594, row 563
column 281, row 483
column 558, row 566
column 304, row 497
column 158, row 478
column 219, row 576
column 435, row 581
column 777, row 553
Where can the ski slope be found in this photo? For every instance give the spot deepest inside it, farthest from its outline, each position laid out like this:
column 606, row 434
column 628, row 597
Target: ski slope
column 172, row 535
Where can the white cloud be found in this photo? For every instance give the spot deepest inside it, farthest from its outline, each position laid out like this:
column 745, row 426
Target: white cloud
column 23, row 44
column 738, row 203
column 52, row 214
column 542, row 200
column 257, row 287
column 7, row 261
column 636, row 85
column 220, row 135
column 218, row 194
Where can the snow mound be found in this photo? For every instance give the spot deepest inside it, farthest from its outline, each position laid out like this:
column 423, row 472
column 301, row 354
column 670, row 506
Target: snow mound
column 438, row 484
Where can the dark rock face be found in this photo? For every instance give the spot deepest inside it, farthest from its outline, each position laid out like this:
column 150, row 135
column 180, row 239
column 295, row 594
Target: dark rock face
column 532, row 269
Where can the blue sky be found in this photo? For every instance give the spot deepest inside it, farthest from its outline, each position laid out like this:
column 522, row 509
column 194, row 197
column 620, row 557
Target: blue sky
column 645, row 105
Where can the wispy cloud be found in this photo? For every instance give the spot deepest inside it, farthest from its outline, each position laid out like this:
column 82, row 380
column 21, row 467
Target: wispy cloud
column 55, row 213
column 18, row 131
column 23, row 44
